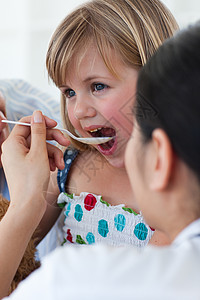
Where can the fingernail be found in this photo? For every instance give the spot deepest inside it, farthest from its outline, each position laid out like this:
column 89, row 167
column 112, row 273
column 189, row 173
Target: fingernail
column 37, row 117
column 2, row 115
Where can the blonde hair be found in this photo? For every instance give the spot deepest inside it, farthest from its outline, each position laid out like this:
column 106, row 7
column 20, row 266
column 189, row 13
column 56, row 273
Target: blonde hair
column 133, row 28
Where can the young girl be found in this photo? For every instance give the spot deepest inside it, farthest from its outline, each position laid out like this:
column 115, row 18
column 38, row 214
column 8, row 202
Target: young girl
column 94, row 57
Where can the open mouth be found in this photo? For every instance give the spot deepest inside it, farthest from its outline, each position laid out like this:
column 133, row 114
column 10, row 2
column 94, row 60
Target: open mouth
column 104, row 132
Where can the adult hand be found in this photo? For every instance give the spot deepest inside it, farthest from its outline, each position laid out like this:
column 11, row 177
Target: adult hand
column 4, row 132
column 27, row 159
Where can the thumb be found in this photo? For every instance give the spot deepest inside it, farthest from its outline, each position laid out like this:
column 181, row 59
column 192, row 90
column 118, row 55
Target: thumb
column 38, row 132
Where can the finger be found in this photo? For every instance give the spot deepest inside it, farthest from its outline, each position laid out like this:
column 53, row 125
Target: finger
column 55, row 135
column 52, row 164
column 55, row 156
column 20, row 130
column 50, row 123
column 2, row 117
column 38, row 134
column 2, row 104
column 25, row 130
column 58, row 136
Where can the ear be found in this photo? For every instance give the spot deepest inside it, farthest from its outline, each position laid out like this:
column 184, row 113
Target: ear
column 163, row 160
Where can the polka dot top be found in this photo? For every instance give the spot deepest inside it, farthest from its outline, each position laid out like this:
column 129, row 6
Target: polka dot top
column 89, row 219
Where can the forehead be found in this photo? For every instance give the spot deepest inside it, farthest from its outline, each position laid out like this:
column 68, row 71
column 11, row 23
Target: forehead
column 90, row 61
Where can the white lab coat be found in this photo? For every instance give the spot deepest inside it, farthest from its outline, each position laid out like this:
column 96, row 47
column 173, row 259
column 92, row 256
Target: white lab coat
column 102, row 272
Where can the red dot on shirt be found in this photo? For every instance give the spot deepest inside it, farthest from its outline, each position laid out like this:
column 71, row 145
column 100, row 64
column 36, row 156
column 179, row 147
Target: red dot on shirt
column 90, row 202
column 69, row 236
column 151, row 228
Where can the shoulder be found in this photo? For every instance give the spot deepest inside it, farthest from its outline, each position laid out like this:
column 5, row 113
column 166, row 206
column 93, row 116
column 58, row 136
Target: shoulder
column 81, row 172
column 62, row 175
column 88, row 172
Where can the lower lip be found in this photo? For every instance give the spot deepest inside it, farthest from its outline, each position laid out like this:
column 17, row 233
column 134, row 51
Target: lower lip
column 110, row 151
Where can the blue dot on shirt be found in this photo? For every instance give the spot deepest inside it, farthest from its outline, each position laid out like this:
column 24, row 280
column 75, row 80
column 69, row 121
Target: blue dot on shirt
column 90, row 238
column 66, row 213
column 120, row 222
column 141, row 231
column 103, row 228
column 68, row 161
column 69, row 152
column 78, row 215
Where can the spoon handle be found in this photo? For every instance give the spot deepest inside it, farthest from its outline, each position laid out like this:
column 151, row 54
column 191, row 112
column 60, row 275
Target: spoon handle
column 92, row 140
column 68, row 132
column 15, row 122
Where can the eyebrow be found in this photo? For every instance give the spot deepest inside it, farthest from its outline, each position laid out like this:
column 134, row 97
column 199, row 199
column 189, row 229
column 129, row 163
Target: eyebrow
column 93, row 77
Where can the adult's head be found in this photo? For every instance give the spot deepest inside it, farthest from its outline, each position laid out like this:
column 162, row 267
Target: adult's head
column 163, row 157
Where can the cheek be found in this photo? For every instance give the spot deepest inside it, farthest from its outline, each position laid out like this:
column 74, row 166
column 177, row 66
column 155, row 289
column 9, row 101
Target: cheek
column 123, row 113
column 71, row 116
column 120, row 117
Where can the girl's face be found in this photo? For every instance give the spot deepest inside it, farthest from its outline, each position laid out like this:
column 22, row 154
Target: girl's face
column 99, row 104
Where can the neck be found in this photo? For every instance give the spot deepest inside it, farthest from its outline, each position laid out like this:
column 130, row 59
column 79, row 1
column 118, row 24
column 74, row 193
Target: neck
column 180, row 227
column 181, row 211
column 182, row 201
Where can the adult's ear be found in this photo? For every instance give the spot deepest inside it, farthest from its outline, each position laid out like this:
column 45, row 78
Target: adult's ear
column 163, row 160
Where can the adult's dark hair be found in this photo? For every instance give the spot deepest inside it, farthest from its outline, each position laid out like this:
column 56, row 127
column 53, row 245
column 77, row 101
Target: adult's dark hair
column 168, row 95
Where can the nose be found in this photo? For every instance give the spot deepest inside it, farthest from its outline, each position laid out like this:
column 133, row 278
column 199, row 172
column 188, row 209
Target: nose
column 84, row 109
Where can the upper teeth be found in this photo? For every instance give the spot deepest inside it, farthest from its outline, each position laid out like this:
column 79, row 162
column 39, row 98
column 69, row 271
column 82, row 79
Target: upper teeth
column 94, row 130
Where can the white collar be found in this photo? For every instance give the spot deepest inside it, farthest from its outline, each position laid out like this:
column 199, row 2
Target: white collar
column 192, row 230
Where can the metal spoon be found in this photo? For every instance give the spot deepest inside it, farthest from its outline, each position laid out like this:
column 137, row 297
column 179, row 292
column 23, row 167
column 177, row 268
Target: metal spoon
column 92, row 140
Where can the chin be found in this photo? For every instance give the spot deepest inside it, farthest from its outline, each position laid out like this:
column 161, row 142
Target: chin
column 116, row 162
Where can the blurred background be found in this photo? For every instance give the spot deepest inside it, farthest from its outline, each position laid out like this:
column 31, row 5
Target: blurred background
column 26, row 27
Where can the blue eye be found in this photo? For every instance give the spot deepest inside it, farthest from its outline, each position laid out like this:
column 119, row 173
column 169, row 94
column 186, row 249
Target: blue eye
column 69, row 93
column 99, row 87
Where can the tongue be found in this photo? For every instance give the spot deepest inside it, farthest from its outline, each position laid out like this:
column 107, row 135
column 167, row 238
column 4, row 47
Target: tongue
column 104, row 132
column 108, row 145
